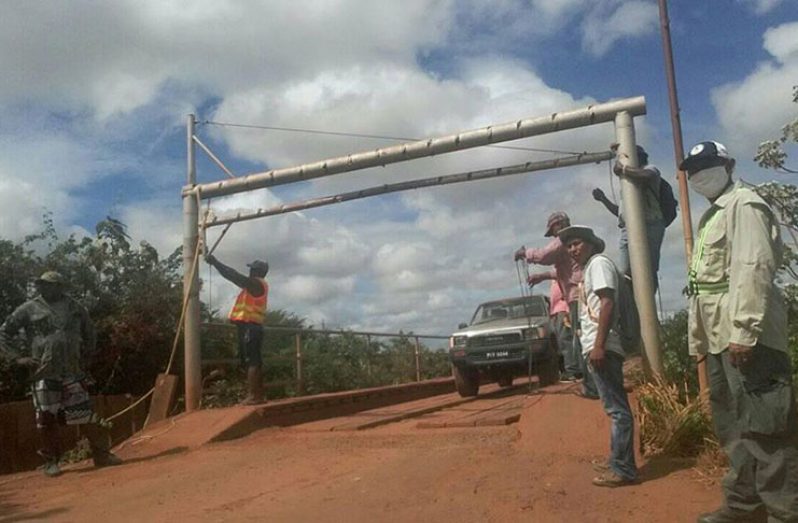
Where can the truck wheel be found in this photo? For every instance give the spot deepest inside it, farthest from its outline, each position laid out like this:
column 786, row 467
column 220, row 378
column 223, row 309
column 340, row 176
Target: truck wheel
column 505, row 380
column 466, row 381
column 549, row 370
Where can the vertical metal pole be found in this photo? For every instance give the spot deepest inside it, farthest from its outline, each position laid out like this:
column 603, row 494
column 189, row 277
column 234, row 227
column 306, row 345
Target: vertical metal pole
column 191, row 327
column 418, row 361
column 133, row 428
column 678, row 153
column 299, row 385
column 368, row 356
column 639, row 257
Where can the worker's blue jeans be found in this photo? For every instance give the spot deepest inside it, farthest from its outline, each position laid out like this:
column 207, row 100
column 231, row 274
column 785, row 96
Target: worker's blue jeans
column 609, row 382
column 565, row 341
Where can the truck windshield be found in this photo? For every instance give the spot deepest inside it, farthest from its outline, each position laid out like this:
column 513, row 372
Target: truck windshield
column 509, row 309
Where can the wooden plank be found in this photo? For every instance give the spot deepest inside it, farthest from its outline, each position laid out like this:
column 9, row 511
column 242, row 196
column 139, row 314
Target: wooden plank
column 377, row 417
column 501, row 413
column 163, row 398
column 505, row 419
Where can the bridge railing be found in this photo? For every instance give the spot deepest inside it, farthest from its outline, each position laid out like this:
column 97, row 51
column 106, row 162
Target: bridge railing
column 298, row 360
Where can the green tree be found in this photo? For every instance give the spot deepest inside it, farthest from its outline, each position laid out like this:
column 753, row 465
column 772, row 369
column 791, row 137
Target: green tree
column 679, row 366
column 783, row 198
column 133, row 295
column 771, row 153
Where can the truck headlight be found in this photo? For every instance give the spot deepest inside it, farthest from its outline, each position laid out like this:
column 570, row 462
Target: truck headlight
column 534, row 333
column 457, row 341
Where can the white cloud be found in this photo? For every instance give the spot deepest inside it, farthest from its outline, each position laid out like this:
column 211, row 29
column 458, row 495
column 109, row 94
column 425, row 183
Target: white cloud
column 156, row 221
column 602, row 29
column 422, row 260
column 782, row 42
column 113, row 58
column 316, row 289
column 753, row 109
column 761, row 7
column 22, row 215
column 38, row 172
column 509, row 24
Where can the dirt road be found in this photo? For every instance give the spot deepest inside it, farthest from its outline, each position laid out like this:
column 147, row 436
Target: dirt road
column 535, row 470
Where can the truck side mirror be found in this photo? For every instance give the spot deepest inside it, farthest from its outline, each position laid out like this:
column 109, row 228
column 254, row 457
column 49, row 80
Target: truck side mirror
column 462, row 326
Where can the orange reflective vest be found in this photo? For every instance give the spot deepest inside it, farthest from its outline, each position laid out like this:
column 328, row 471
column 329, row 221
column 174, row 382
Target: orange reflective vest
column 248, row 308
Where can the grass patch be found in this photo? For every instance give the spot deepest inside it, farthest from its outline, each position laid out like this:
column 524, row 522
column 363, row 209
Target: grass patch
column 673, row 422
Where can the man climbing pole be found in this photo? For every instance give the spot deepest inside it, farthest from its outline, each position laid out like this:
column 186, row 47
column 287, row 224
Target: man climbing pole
column 248, row 313
column 60, row 338
column 659, row 209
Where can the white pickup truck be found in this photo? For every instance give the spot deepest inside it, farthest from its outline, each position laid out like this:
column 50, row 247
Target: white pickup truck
column 505, row 339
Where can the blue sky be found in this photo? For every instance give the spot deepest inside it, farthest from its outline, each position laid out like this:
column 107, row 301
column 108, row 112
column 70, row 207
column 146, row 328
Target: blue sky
column 95, row 95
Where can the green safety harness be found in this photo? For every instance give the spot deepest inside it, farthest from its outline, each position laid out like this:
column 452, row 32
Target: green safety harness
column 695, row 287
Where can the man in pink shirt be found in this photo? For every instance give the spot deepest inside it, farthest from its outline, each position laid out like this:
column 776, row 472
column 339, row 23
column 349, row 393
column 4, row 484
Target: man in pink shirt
column 560, row 320
column 568, row 275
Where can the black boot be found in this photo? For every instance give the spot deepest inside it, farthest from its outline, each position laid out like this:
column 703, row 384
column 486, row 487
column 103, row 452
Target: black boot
column 100, row 444
column 254, row 387
column 105, row 458
column 727, row 515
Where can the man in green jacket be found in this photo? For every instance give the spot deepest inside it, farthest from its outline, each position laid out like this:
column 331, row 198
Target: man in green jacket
column 60, row 336
column 738, row 322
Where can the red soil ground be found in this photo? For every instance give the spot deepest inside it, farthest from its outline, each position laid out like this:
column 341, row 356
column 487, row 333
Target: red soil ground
column 535, row 470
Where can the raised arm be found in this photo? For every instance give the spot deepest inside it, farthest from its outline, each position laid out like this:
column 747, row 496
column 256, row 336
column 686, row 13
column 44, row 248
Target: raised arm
column 599, row 196
column 252, row 285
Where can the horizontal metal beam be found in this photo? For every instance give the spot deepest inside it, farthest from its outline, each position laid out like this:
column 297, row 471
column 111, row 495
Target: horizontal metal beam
column 310, row 330
column 590, row 115
column 470, row 176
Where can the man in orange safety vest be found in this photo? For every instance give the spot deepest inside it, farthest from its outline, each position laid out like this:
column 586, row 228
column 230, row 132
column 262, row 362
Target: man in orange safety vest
column 248, row 313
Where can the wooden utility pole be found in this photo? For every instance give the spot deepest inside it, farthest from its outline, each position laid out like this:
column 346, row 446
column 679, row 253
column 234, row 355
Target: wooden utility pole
column 678, row 153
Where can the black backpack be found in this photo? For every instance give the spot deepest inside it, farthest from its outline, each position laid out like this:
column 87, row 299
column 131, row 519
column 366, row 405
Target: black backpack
column 628, row 326
column 667, row 202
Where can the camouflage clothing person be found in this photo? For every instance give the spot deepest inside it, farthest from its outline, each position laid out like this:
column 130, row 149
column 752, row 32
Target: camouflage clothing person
column 738, row 322
column 59, row 337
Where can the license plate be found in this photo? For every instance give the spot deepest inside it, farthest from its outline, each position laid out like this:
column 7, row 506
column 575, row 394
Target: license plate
column 497, row 354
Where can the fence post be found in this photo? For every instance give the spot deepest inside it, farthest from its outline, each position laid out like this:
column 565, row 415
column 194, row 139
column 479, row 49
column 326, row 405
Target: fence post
column 368, row 356
column 300, row 387
column 418, row 361
column 130, row 400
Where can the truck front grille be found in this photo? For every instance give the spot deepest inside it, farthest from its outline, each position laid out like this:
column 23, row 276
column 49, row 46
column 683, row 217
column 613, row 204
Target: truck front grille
column 491, row 340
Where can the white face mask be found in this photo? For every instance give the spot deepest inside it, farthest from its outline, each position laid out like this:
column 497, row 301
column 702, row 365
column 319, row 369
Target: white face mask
column 710, row 182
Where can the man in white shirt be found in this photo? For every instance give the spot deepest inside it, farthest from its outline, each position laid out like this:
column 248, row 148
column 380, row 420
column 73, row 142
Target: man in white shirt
column 601, row 347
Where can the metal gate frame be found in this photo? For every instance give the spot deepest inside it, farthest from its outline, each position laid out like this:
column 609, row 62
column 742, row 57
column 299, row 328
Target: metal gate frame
column 620, row 112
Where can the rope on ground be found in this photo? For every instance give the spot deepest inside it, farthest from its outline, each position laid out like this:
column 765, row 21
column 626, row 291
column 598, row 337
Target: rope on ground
column 178, row 329
column 136, row 441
